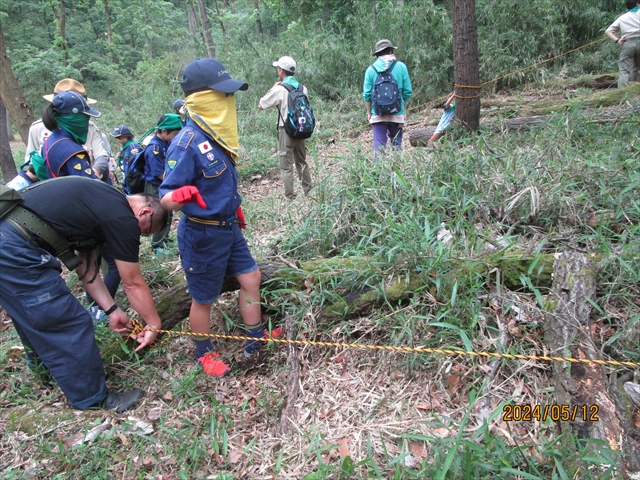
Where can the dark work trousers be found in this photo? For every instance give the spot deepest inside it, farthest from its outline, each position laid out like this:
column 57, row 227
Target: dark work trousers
column 111, row 279
column 50, row 321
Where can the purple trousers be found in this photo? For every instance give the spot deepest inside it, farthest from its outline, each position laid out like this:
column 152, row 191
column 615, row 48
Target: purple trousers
column 386, row 130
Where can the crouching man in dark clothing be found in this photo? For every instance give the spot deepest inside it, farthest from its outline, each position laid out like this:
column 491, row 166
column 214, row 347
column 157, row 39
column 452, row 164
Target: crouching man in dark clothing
column 55, row 329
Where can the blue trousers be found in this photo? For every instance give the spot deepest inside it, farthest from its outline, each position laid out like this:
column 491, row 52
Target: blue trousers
column 383, row 132
column 50, row 321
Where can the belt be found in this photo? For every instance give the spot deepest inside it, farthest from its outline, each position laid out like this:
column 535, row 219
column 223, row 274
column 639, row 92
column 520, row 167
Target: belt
column 214, row 222
column 31, row 227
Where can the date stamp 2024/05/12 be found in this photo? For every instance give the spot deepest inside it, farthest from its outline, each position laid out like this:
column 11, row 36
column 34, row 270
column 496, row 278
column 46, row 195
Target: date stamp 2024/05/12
column 564, row 413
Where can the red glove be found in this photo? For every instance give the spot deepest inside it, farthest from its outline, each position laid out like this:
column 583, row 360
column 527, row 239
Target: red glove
column 240, row 215
column 188, row 194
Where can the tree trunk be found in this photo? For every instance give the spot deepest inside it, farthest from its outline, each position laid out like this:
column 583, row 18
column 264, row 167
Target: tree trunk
column 466, row 66
column 256, row 9
column 147, row 41
column 12, row 95
column 60, row 13
column 584, row 386
column 10, row 135
column 224, row 30
column 7, row 164
column 107, row 19
column 206, row 29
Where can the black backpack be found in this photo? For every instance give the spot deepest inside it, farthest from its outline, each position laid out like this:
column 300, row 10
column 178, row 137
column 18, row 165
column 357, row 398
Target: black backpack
column 300, row 121
column 386, row 96
column 133, row 180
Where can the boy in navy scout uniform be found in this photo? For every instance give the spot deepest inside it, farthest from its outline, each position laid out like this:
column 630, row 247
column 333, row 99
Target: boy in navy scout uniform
column 201, row 180
column 67, row 116
column 155, row 154
column 129, row 146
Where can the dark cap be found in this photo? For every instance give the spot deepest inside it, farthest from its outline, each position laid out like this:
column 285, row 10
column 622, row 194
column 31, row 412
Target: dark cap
column 121, row 130
column 382, row 45
column 178, row 104
column 65, row 103
column 209, row 74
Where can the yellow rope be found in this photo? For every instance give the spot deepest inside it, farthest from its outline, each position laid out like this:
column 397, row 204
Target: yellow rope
column 138, row 327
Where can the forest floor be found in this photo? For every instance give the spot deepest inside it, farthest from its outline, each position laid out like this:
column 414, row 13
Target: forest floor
column 369, row 407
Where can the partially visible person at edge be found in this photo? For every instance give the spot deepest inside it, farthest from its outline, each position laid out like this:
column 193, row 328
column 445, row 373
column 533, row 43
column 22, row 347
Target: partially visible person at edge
column 625, row 31
column 129, row 147
column 386, row 127
column 446, row 120
column 98, row 158
column 24, row 179
column 55, row 329
column 67, row 117
column 291, row 151
column 202, row 181
column 155, row 154
column 178, row 107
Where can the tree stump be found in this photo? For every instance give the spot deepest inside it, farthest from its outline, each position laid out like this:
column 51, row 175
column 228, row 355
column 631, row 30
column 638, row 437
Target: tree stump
column 568, row 334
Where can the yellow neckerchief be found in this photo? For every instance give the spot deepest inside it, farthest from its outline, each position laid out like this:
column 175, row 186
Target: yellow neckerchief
column 215, row 113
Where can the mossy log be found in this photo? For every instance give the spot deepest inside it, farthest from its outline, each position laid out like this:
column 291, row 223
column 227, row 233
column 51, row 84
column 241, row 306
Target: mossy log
column 173, row 304
column 584, row 386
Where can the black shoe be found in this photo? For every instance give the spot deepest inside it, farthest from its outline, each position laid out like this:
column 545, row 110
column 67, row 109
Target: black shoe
column 121, row 402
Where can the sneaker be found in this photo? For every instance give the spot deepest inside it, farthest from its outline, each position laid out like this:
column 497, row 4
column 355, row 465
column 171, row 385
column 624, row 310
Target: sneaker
column 212, row 365
column 121, row 402
column 97, row 314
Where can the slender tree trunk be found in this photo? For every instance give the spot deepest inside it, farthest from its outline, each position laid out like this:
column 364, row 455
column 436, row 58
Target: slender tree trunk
column 196, row 24
column 147, row 42
column 10, row 135
column 107, row 19
column 256, row 8
column 224, row 30
column 12, row 95
column 206, row 29
column 60, row 13
column 466, row 65
column 7, row 164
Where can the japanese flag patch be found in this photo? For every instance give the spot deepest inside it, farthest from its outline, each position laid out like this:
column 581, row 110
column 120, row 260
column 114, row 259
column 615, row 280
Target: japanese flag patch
column 204, row 146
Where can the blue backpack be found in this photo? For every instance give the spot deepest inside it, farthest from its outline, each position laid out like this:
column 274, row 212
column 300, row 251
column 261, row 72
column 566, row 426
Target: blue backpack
column 300, row 121
column 133, row 175
column 386, row 96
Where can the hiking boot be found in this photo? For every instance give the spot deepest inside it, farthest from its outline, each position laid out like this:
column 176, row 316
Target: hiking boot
column 121, row 402
column 212, row 365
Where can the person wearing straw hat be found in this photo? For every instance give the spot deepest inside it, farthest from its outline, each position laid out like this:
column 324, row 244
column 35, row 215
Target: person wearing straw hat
column 202, row 181
column 387, row 127
column 625, row 31
column 99, row 157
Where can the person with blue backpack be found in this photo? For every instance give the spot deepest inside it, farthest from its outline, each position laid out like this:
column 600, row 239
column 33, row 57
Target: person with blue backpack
column 295, row 124
column 129, row 150
column 386, row 90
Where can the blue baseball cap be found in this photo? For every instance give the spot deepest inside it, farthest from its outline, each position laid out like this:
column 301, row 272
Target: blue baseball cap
column 121, row 130
column 69, row 102
column 178, row 104
column 209, row 74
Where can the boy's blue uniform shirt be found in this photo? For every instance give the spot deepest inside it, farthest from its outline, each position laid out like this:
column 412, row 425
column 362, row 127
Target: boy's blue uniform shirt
column 65, row 157
column 193, row 158
column 155, row 155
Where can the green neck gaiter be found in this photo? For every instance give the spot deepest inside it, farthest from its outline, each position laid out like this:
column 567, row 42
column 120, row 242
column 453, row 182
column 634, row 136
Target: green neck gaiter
column 76, row 124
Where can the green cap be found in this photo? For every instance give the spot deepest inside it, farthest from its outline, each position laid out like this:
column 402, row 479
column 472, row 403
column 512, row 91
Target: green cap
column 170, row 121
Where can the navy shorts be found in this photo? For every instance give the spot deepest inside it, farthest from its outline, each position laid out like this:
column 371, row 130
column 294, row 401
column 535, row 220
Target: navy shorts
column 209, row 254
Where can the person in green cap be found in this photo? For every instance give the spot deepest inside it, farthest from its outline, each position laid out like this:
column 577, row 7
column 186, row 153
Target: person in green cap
column 155, row 154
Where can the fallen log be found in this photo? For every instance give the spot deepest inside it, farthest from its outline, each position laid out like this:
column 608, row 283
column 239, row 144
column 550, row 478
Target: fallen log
column 419, row 137
column 583, row 387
